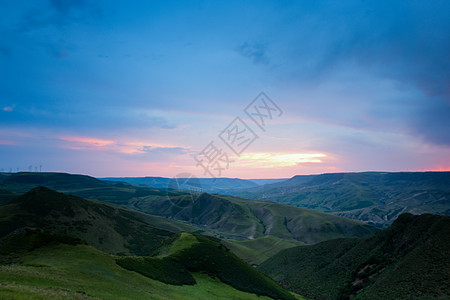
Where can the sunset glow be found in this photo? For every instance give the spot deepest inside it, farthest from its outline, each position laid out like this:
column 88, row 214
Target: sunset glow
column 270, row 160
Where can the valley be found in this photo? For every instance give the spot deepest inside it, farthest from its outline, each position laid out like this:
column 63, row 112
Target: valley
column 67, row 236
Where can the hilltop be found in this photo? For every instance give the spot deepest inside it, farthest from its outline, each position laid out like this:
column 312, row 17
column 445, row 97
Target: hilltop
column 105, row 227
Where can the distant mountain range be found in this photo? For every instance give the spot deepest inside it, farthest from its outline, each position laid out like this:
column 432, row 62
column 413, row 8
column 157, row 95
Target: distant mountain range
column 408, row 260
column 376, row 198
column 207, row 185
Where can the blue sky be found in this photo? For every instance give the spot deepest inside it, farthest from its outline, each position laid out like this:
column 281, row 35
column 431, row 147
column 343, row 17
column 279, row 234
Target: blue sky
column 134, row 88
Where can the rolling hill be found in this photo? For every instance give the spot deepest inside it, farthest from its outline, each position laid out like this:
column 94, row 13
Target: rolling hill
column 238, row 218
column 228, row 217
column 408, row 260
column 376, row 198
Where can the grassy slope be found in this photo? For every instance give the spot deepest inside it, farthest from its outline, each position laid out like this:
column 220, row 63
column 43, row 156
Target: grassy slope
column 258, row 250
column 6, row 196
column 195, row 253
column 407, row 260
column 82, row 272
column 373, row 197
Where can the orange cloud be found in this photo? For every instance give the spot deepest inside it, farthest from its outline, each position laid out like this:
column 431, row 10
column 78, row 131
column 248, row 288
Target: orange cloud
column 90, row 141
column 270, row 160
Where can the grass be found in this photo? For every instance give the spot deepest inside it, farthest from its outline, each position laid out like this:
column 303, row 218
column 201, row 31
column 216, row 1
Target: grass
column 192, row 254
column 165, row 269
column 185, row 241
column 258, row 250
column 82, row 272
column 216, row 260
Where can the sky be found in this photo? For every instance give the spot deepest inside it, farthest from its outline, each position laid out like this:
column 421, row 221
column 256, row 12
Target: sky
column 159, row 88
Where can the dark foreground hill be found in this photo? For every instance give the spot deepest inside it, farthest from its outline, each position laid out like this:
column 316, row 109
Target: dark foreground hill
column 376, row 198
column 408, row 260
column 105, row 227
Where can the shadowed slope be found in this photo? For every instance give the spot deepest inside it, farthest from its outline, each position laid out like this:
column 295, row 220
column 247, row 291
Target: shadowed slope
column 407, row 260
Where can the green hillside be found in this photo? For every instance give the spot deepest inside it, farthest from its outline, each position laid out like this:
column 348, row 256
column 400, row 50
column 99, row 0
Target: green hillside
column 238, row 218
column 67, row 271
column 260, row 249
column 192, row 254
column 376, row 198
column 408, row 260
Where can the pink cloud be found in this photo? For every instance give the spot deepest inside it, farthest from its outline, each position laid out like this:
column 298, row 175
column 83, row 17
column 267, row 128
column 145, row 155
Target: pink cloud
column 6, row 142
column 9, row 108
column 89, row 141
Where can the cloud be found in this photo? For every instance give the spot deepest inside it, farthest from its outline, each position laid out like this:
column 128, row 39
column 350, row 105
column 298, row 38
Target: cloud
column 64, row 6
column 5, row 50
column 349, row 52
column 432, row 123
column 7, row 142
column 96, row 119
column 45, row 25
column 94, row 142
column 165, row 149
column 9, row 108
column 61, row 13
column 130, row 149
column 254, row 51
